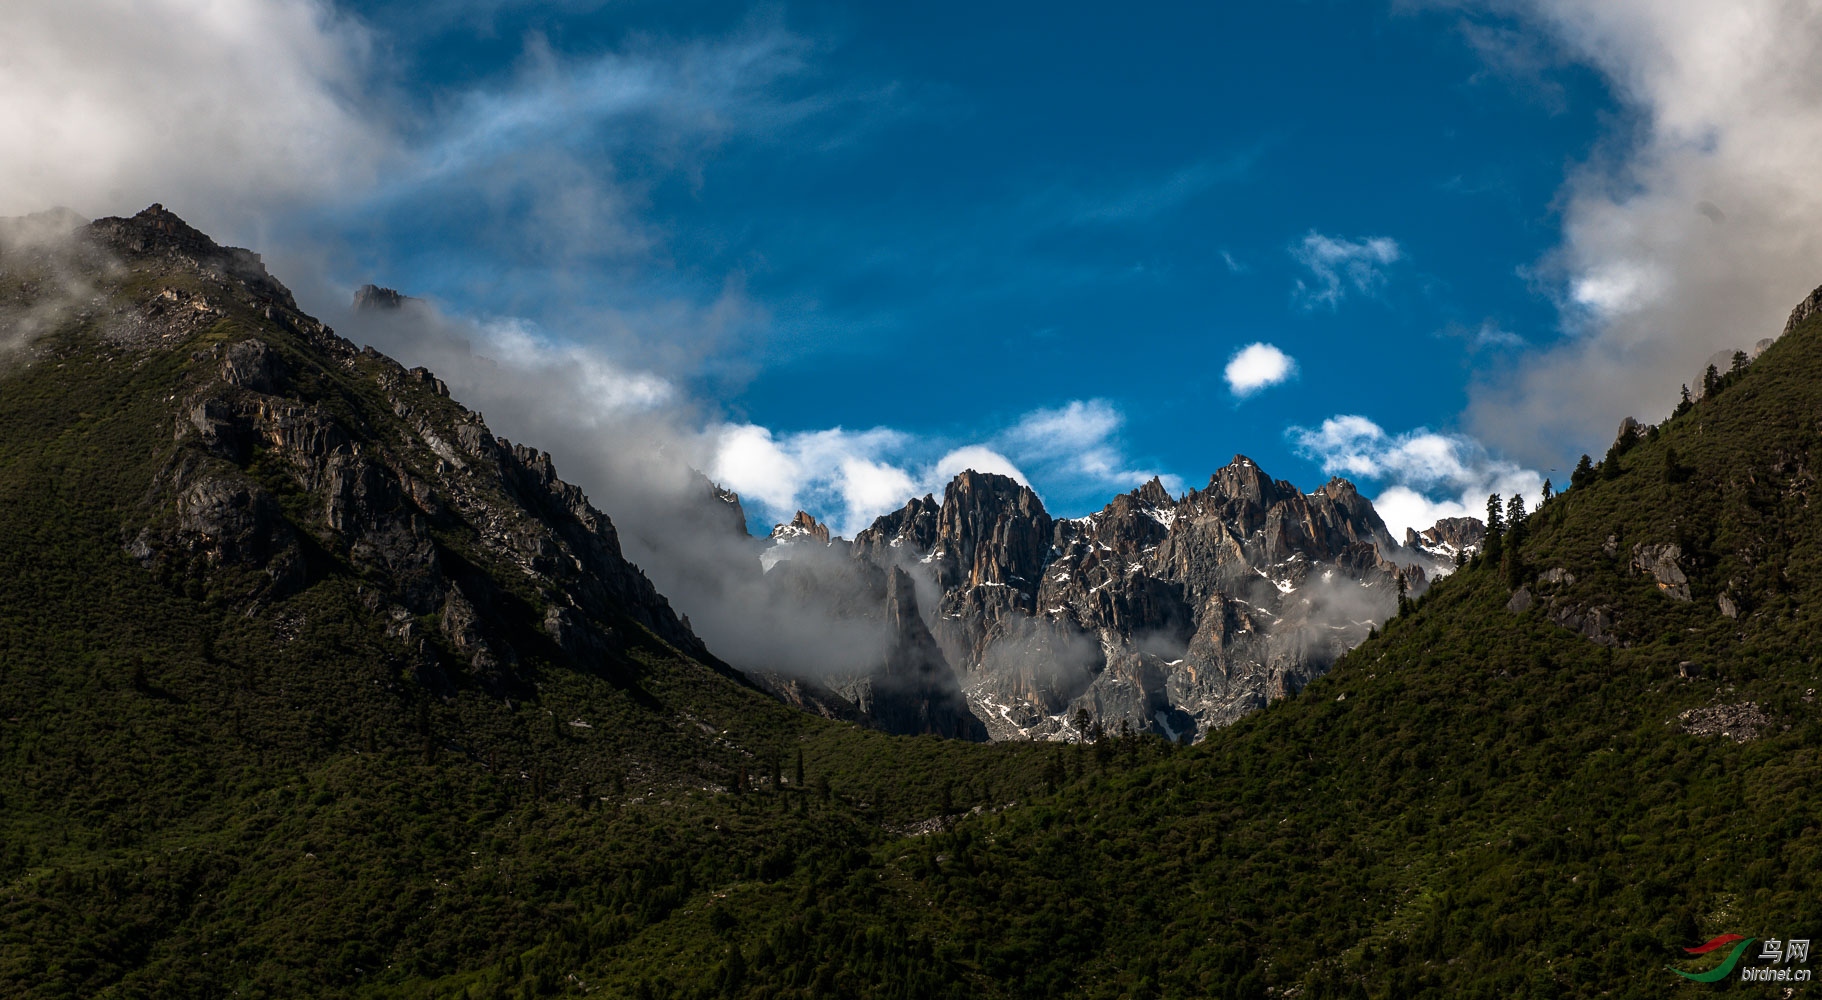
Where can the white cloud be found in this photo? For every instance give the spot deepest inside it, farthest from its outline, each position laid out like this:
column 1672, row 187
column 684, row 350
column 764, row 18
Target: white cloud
column 1338, row 265
column 852, row 477
column 215, row 107
column 846, row 477
column 872, row 488
column 1257, row 366
column 748, row 461
column 1426, row 475
column 1697, row 227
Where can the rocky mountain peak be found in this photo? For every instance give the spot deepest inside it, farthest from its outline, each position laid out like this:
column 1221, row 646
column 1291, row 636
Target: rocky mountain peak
column 1448, row 537
column 376, row 298
column 991, row 529
column 1154, row 494
column 292, row 459
column 908, row 532
column 803, row 527
column 157, row 232
column 1242, row 479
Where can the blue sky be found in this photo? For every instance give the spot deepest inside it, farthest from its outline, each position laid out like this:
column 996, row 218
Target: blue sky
column 834, row 250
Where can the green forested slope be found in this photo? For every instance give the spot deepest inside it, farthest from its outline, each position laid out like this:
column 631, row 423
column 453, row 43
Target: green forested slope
column 202, row 797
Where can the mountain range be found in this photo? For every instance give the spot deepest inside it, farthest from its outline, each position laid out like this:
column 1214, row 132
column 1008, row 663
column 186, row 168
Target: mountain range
column 1155, row 614
column 310, row 685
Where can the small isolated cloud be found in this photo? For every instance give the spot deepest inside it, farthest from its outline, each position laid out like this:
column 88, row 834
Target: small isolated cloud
column 1426, row 475
column 1257, row 366
column 1337, row 266
column 1492, row 335
column 1487, row 336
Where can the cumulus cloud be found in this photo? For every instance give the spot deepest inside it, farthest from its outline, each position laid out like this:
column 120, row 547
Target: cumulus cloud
column 1257, row 366
column 1697, row 228
column 1338, row 266
column 1424, row 475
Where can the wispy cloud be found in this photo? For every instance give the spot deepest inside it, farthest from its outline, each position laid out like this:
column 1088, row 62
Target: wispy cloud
column 1339, row 267
column 1150, row 197
column 1076, row 444
column 1488, row 335
column 1257, row 366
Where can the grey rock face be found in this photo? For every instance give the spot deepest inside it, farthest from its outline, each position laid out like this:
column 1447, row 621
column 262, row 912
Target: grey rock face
column 1449, row 538
column 1591, row 623
column 1810, row 305
column 1661, row 563
column 1741, row 723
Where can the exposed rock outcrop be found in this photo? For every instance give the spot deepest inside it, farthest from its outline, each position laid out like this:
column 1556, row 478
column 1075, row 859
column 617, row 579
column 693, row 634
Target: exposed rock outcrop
column 1810, row 306
column 1661, row 563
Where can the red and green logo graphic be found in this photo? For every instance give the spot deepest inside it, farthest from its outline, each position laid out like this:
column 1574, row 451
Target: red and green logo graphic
column 1725, row 969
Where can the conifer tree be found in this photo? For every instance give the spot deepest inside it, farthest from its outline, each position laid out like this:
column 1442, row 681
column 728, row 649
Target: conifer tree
column 1685, row 404
column 1711, row 382
column 1495, row 528
column 1739, row 363
column 1548, row 493
column 1583, row 474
